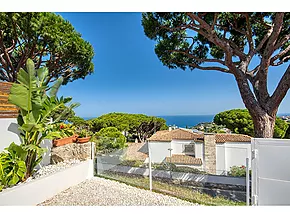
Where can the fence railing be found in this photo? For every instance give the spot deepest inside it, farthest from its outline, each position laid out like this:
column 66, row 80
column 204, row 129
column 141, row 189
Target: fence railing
column 182, row 181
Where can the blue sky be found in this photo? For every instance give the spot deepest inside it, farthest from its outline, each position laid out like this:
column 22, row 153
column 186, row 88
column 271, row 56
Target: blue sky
column 129, row 77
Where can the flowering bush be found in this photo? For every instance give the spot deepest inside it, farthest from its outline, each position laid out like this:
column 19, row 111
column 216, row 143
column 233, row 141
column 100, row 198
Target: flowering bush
column 239, row 171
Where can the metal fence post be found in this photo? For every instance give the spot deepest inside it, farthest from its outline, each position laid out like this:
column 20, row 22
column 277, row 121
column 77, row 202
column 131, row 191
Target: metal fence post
column 150, row 169
column 247, row 182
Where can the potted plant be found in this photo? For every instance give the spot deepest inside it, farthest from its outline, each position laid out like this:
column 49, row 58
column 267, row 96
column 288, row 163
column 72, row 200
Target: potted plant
column 84, row 136
column 67, row 135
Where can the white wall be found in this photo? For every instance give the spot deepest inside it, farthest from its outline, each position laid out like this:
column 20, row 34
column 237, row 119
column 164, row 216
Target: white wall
column 159, row 151
column 46, row 156
column 39, row 190
column 232, row 154
column 9, row 133
column 178, row 146
column 199, row 150
column 220, row 158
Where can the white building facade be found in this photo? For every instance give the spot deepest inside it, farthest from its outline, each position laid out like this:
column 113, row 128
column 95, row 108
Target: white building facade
column 214, row 152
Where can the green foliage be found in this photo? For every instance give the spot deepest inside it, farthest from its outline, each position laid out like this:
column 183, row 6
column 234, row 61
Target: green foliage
column 79, row 123
column 240, row 121
column 64, row 130
column 280, row 128
column 132, row 163
column 110, row 138
column 287, row 134
column 238, row 171
column 129, row 123
column 36, row 109
column 237, row 120
column 12, row 165
column 174, row 168
column 84, row 133
column 172, row 32
column 49, row 40
column 68, row 114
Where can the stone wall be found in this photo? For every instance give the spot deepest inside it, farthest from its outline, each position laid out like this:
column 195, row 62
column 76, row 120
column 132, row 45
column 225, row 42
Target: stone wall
column 210, row 153
column 71, row 151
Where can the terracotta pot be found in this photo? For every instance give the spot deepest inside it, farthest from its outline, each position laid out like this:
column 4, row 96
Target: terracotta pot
column 74, row 138
column 83, row 140
column 65, row 141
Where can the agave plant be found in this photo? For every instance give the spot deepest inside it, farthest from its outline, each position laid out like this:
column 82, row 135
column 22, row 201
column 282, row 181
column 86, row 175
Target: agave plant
column 35, row 110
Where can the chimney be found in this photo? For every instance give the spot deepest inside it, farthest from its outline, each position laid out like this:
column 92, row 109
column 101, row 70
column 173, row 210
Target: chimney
column 209, row 153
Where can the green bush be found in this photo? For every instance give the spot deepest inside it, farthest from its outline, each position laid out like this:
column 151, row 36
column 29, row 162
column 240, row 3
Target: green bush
column 238, row 171
column 109, row 138
column 174, row 168
column 132, row 163
column 12, row 165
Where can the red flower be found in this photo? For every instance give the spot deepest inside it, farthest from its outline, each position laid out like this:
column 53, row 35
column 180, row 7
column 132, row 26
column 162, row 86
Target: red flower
column 243, row 167
column 61, row 126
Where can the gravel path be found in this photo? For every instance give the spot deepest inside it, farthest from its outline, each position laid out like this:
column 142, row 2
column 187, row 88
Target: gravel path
column 102, row 192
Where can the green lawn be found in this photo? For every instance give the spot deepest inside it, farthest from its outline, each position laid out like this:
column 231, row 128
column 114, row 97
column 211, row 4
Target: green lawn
column 173, row 190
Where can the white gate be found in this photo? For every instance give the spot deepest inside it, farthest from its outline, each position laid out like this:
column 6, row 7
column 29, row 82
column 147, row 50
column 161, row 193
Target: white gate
column 270, row 171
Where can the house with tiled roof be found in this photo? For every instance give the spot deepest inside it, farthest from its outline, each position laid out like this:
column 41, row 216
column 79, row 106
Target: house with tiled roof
column 7, row 110
column 214, row 153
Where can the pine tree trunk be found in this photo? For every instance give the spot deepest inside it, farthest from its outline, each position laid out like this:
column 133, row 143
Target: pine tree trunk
column 264, row 126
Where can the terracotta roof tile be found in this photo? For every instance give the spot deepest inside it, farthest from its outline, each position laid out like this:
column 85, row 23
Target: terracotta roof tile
column 223, row 137
column 7, row 110
column 133, row 152
column 184, row 159
column 166, row 135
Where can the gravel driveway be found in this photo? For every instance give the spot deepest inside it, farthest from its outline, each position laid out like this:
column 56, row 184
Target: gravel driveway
column 102, row 192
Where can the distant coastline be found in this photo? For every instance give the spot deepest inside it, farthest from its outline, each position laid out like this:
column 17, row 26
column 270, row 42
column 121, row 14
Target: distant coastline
column 187, row 120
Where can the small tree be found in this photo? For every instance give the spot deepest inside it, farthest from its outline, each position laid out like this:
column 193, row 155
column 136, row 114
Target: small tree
column 229, row 42
column 148, row 128
column 49, row 41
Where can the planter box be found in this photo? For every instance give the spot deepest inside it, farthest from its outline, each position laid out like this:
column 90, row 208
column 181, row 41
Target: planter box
column 64, row 141
column 83, row 140
column 39, row 190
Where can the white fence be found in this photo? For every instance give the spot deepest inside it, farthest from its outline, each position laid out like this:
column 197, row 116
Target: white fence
column 270, row 172
column 200, row 178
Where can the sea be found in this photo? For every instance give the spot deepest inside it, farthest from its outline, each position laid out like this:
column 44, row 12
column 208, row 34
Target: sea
column 187, row 120
column 183, row 120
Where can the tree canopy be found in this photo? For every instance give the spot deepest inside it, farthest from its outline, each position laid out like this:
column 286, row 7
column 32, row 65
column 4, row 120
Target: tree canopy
column 136, row 125
column 47, row 39
column 110, row 138
column 240, row 121
column 229, row 42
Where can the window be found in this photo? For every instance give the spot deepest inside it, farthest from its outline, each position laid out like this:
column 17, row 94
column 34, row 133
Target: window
column 189, row 149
